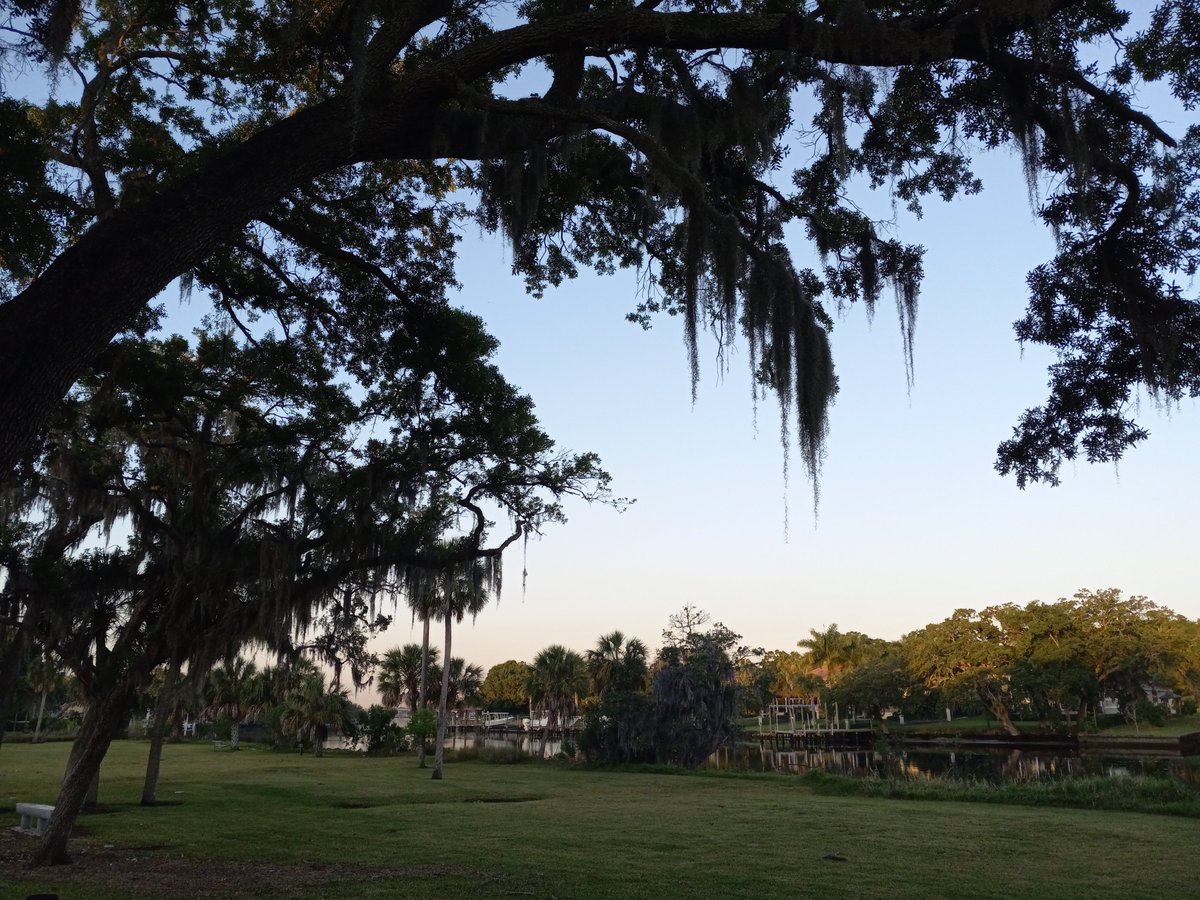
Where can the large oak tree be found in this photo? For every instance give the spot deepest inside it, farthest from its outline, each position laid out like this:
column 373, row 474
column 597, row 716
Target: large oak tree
column 242, row 492
column 309, row 157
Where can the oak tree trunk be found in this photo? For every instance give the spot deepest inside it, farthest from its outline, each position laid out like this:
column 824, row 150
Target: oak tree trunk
column 100, row 725
column 995, row 703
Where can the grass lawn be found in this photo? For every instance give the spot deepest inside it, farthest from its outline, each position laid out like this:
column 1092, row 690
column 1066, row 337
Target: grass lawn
column 1175, row 727
column 269, row 825
column 961, row 724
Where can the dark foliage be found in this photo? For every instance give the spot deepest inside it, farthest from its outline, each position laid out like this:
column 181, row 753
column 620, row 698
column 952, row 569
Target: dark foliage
column 685, row 717
column 314, row 162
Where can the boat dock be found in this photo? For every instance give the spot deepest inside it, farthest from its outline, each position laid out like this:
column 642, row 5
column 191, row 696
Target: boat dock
column 818, row 739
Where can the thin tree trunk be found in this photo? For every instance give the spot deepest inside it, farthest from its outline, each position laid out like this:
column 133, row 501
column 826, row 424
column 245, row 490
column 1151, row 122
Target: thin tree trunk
column 422, row 694
column 162, row 710
column 545, row 734
column 439, row 751
column 996, row 705
column 100, row 725
column 37, row 728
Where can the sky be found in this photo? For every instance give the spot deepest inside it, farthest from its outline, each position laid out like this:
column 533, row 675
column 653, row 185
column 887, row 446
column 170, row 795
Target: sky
column 913, row 521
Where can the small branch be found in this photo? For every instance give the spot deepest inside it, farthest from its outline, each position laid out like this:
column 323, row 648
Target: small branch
column 190, row 62
column 1073, row 77
column 314, row 242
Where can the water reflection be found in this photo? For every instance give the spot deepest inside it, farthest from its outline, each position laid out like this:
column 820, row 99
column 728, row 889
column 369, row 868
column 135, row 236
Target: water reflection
column 978, row 764
column 529, row 743
column 465, row 740
column 983, row 764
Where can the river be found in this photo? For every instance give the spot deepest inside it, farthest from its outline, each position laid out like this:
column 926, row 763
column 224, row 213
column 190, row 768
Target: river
column 981, row 764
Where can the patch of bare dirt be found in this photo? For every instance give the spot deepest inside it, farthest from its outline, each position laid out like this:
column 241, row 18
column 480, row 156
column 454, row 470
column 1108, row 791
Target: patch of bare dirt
column 156, row 872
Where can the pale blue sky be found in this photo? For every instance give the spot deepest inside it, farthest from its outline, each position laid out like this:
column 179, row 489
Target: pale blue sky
column 914, row 522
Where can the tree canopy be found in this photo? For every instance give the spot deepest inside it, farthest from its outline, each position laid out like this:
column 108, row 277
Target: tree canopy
column 313, row 161
column 243, row 488
column 506, row 686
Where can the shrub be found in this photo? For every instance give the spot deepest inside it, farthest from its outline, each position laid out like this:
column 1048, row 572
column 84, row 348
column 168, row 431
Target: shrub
column 1150, row 714
column 381, row 735
column 508, row 755
column 422, row 726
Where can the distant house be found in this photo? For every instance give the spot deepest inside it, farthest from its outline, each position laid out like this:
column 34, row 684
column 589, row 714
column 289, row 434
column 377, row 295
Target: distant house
column 1154, row 693
column 1162, row 696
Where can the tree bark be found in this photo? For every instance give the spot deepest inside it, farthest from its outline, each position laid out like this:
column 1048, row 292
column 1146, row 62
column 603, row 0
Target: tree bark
column 439, row 750
column 999, row 709
column 100, row 725
column 423, row 691
column 320, row 733
column 158, row 734
column 235, row 734
column 37, row 726
column 92, row 796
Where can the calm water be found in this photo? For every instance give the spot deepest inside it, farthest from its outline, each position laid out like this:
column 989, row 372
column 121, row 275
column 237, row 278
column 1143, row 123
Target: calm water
column 988, row 764
column 527, row 742
column 455, row 741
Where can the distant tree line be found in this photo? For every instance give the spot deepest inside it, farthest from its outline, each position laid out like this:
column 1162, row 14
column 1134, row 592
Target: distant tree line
column 1042, row 661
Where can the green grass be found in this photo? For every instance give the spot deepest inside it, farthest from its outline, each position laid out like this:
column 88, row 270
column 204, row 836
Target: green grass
column 963, row 724
column 1179, row 725
column 1134, row 793
column 349, row 826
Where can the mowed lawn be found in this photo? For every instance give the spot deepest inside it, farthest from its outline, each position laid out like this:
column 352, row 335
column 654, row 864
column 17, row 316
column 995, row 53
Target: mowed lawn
column 257, row 823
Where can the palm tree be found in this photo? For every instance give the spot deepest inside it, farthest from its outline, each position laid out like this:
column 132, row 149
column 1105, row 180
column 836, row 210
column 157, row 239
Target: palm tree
column 309, row 711
column 617, row 664
column 43, row 675
column 826, row 649
column 466, row 683
column 235, row 689
column 462, row 593
column 288, row 677
column 423, row 601
column 858, row 648
column 556, row 679
column 399, row 678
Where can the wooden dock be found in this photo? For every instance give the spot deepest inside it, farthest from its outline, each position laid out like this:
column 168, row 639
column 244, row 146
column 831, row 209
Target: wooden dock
column 819, row 739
